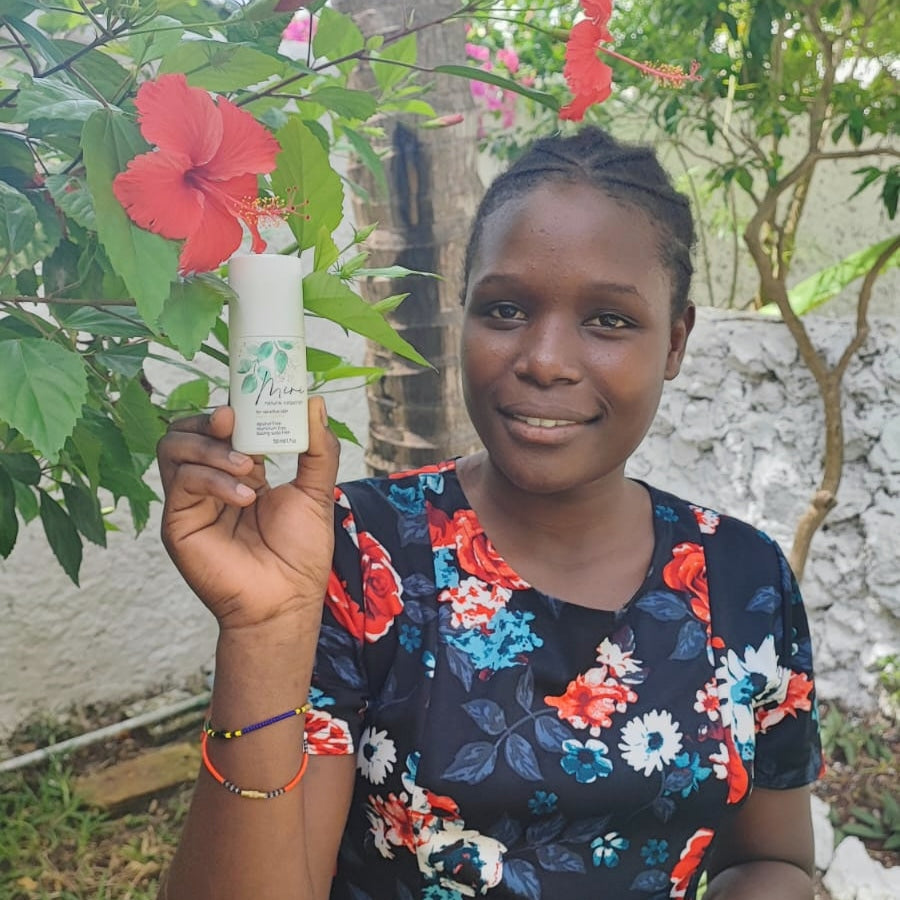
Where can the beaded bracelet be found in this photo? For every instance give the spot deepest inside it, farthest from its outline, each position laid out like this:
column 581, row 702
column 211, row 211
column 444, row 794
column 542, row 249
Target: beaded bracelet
column 240, row 732
column 247, row 792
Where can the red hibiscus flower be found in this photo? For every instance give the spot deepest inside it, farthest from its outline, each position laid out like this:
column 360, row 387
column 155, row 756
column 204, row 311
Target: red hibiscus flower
column 591, row 699
column 381, row 587
column 347, row 613
column 589, row 79
column 201, row 181
column 798, row 697
column 327, row 736
column 687, row 572
column 689, row 863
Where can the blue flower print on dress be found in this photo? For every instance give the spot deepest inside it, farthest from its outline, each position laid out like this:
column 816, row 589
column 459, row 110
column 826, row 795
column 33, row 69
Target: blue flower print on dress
column 687, row 774
column 504, row 646
column 655, row 852
column 410, row 637
column 408, row 500
column 542, row 802
column 446, row 575
column 607, row 848
column 318, row 699
column 665, row 513
column 585, row 761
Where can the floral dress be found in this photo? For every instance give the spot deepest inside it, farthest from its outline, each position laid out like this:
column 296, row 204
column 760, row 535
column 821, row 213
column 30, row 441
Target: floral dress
column 511, row 744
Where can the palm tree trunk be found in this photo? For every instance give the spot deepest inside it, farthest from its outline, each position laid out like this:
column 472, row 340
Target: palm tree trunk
column 417, row 416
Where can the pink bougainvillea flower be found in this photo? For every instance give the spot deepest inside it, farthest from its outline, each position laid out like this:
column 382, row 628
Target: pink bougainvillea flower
column 589, row 79
column 301, row 28
column 200, row 182
column 476, row 51
column 510, row 59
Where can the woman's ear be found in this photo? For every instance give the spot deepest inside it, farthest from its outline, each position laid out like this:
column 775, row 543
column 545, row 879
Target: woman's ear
column 682, row 326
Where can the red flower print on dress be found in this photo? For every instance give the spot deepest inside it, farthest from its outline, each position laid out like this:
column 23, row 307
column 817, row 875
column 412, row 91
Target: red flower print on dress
column 200, row 182
column 707, row 519
column 689, row 863
column 327, row 736
column 474, row 550
column 436, row 469
column 591, row 699
column 798, row 697
column 687, row 572
column 707, row 700
column 728, row 766
column 474, row 603
column 381, row 587
column 348, row 614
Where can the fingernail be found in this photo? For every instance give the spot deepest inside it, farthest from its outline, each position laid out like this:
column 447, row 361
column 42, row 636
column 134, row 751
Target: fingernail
column 243, row 491
column 323, row 412
column 237, row 459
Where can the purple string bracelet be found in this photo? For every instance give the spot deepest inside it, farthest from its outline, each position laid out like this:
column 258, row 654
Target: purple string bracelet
column 240, row 732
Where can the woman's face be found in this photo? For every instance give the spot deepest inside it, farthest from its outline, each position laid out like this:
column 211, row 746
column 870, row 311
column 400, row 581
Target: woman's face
column 568, row 336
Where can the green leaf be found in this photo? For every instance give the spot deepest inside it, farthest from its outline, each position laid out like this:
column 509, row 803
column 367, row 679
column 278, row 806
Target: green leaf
column 327, row 251
column 123, row 359
column 368, row 373
column 26, row 500
column 146, row 262
column 111, row 321
column 84, row 510
column 71, row 195
column 327, row 296
column 474, row 74
column 389, row 304
column 392, row 272
column 157, row 38
column 9, row 522
column 61, row 535
column 54, row 100
column 191, row 396
column 812, row 292
column 321, row 360
column 221, row 66
column 46, row 236
column 21, row 466
column 44, row 387
column 141, row 425
column 18, row 221
column 343, row 431
column 369, row 157
column 345, row 102
column 16, row 162
column 305, row 178
column 87, row 448
column 396, row 57
column 191, row 311
column 337, row 36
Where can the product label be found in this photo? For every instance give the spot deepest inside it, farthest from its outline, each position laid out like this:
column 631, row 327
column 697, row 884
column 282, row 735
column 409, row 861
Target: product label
column 271, row 376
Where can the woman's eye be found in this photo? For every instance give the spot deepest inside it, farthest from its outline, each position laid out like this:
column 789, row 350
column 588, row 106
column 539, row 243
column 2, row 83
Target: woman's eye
column 505, row 311
column 609, row 320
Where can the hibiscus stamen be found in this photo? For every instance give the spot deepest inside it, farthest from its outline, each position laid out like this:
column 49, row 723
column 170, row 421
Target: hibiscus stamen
column 665, row 73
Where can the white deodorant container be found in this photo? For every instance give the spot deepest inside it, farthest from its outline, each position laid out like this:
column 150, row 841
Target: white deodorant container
column 267, row 354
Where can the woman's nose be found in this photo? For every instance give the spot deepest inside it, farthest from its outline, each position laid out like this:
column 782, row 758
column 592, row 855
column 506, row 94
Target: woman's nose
column 548, row 354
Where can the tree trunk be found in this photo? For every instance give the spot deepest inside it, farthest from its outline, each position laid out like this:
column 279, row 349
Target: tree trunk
column 417, row 416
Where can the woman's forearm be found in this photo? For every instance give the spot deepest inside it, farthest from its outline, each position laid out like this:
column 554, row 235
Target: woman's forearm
column 761, row 880
column 250, row 848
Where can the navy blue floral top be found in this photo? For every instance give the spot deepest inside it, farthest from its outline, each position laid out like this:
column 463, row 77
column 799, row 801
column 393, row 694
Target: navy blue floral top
column 510, row 744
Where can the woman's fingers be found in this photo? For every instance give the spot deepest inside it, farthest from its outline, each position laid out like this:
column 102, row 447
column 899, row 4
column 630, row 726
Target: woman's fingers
column 317, row 468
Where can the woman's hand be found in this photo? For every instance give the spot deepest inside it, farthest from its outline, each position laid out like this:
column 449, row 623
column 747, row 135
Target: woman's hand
column 251, row 553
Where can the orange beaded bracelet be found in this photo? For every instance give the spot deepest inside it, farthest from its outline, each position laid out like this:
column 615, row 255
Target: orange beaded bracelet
column 246, row 792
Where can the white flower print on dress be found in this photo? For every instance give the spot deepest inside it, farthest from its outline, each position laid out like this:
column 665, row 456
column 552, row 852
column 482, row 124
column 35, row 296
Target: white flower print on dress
column 617, row 659
column 746, row 683
column 376, row 756
column 650, row 741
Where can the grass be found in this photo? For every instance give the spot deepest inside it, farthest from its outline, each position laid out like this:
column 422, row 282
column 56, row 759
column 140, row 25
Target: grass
column 53, row 847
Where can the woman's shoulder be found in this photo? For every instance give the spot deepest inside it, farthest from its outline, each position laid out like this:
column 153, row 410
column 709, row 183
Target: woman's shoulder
column 719, row 532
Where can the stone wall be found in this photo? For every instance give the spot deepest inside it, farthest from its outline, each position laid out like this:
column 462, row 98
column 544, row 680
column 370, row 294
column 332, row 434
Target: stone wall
column 741, row 430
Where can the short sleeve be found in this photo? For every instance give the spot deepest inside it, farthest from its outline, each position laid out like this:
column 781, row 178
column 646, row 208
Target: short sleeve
column 788, row 744
column 339, row 690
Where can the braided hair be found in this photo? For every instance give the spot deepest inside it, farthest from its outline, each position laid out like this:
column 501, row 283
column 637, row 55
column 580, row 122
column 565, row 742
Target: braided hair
column 629, row 174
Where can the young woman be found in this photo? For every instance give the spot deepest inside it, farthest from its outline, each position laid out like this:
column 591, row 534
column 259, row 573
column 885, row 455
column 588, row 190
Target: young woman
column 527, row 675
